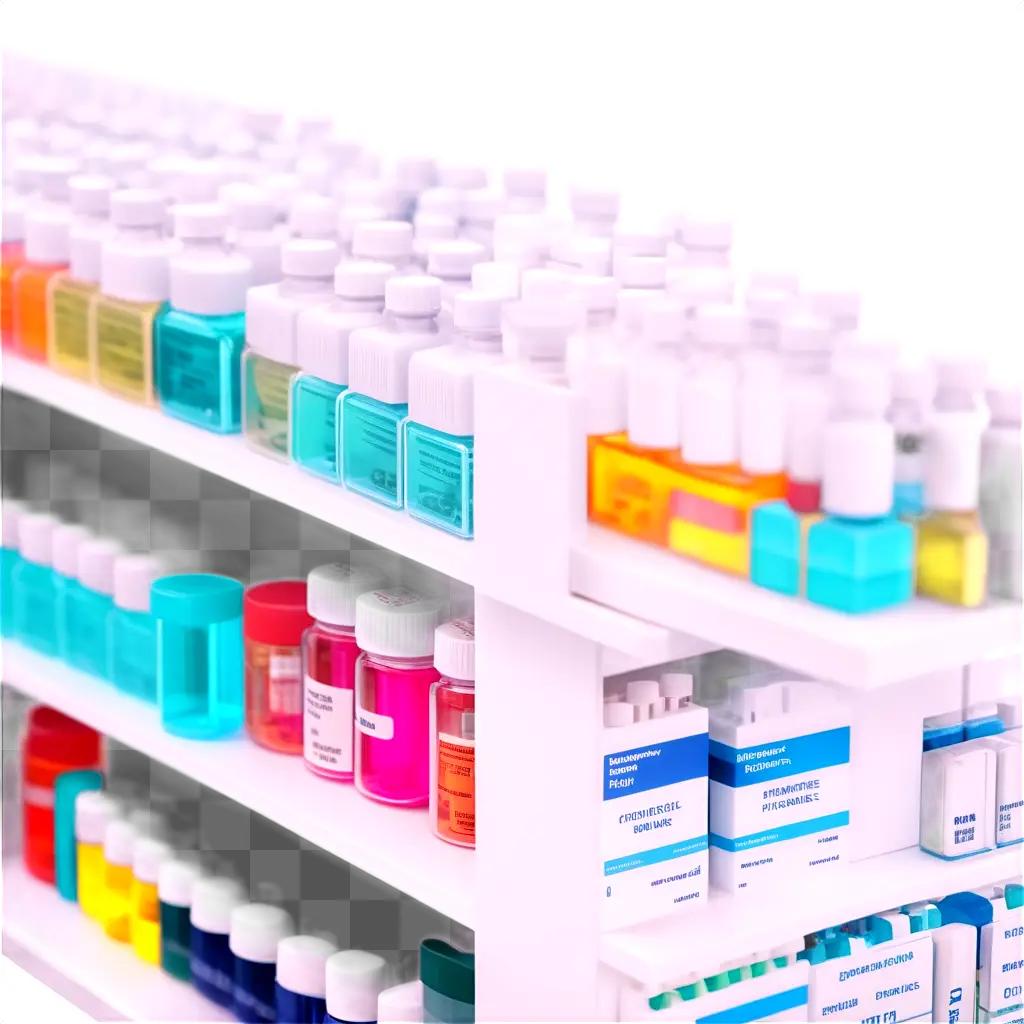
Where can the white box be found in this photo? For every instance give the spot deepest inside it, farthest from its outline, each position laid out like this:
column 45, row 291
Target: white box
column 954, row 997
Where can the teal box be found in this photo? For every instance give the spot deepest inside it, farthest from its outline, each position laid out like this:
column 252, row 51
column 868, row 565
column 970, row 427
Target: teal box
column 370, row 441
column 87, row 638
column 775, row 546
column 439, row 478
column 35, row 606
column 65, row 855
column 133, row 652
column 860, row 565
column 314, row 427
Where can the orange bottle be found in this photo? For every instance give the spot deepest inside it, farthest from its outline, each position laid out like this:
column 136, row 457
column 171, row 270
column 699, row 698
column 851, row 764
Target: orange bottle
column 12, row 256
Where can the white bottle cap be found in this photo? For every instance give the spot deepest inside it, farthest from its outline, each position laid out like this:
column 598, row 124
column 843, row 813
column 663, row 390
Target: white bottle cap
column 12, row 514
column 676, row 686
column 629, row 240
column 1010, row 713
column 55, row 173
column 213, row 900
column 362, row 279
column 368, row 192
column 197, row 181
column 414, row 295
column 1004, row 404
column 618, row 714
column 332, row 590
column 597, row 293
column 664, row 323
column 722, row 328
column 433, row 227
column 642, row 691
column 913, row 382
column 401, row 1003
column 67, row 539
column 133, row 579
column 415, row 173
column 441, row 200
column 641, row 271
column 481, row 206
column 784, row 281
column 119, row 842
column 754, row 703
column 47, row 228
column 94, row 810
column 464, row 177
column 213, row 284
column 354, row 981
column 453, row 260
column 301, row 961
column 495, row 278
column 547, row 286
column 952, row 461
column 200, row 222
column 397, row 623
column 701, row 286
column 454, row 645
column 138, row 208
column 478, row 315
column 389, row 241
column 96, row 556
column 839, row 307
column 35, row 537
column 770, row 304
column 251, row 210
column 710, row 416
column 541, row 332
column 175, row 881
column 804, row 334
column 586, row 253
column 90, row 195
column 526, row 182
column 705, row 233
column 135, row 266
column 959, row 382
column 147, row 856
column 256, row 929
column 313, row 216
column 594, row 205
column 309, row 258
column 12, row 222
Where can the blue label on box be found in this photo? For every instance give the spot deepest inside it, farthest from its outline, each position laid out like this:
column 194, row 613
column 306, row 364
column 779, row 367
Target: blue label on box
column 659, row 764
column 759, row 1009
column 749, row 766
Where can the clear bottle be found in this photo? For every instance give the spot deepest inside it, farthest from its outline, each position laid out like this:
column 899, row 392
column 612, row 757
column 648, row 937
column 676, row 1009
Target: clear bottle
column 70, row 293
column 200, row 334
column 453, row 735
column 32, row 584
column 385, row 241
column 395, row 630
column 373, row 409
column 271, row 321
column 10, row 557
column 94, row 810
column 200, row 657
column 322, row 352
column 132, row 626
column 67, row 540
column 329, row 655
column 144, row 902
column 133, row 286
column 452, row 264
column 908, row 413
column 89, row 605
column 274, row 620
column 354, row 981
column 1001, row 490
column 439, row 431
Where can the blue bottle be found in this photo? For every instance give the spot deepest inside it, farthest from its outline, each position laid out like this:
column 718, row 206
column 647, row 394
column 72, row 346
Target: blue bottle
column 175, row 886
column 373, row 410
column 354, row 981
column 65, row 850
column 67, row 540
column 859, row 558
column 199, row 336
column 34, row 594
column 449, row 983
column 89, row 604
column 439, row 430
column 200, row 657
column 211, row 962
column 322, row 336
column 10, row 556
column 256, row 929
column 132, row 626
column 301, row 986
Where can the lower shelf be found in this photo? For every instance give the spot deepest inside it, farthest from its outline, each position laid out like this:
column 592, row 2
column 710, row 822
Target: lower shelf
column 56, row 933
column 659, row 953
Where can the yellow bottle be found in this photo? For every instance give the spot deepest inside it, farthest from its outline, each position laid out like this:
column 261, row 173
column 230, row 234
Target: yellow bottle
column 94, row 810
column 147, row 857
column 115, row 912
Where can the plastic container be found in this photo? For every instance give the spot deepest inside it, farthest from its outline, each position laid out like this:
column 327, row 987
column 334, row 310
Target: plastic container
column 53, row 744
column 33, row 591
column 211, row 962
column 199, row 643
column 10, row 557
column 395, row 629
column 94, row 810
column 453, row 735
column 67, row 541
column 132, row 626
column 275, row 618
column 174, row 891
column 147, row 856
column 67, row 788
column 118, row 851
column 330, row 652
column 256, row 930
column 301, row 985
column 89, row 606
column 355, row 980
column 448, row 976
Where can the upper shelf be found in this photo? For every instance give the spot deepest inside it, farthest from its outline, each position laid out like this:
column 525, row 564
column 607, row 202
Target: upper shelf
column 865, row 651
column 393, row 844
column 231, row 458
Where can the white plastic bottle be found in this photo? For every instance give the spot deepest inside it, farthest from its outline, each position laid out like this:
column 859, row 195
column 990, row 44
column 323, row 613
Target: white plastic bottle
column 1001, row 491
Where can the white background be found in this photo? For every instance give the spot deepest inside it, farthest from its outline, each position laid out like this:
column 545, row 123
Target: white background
column 877, row 143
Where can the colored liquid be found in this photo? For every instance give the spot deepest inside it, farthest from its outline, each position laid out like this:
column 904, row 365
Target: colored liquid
column 69, row 322
column 28, row 301
column 329, row 699
column 9, row 558
column 12, row 256
column 439, row 478
column 175, row 939
column 198, row 368
column 145, row 924
column 804, row 497
column 87, row 638
column 453, row 776
column 124, row 347
column 133, row 652
column 265, row 403
column 117, row 908
column 213, row 966
column 254, row 997
column 952, row 558
column 371, row 446
column 393, row 732
column 297, row 1008
column 315, row 425
column 92, row 870
column 35, row 612
column 273, row 696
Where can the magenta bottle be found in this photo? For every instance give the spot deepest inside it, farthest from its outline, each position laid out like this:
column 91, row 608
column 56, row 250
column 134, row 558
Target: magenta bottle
column 395, row 630
column 329, row 653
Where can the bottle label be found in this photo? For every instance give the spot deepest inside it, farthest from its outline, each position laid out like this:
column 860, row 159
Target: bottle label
column 284, row 684
column 124, row 342
column 327, row 740
column 456, row 787
column 380, row 727
column 37, row 796
column 71, row 324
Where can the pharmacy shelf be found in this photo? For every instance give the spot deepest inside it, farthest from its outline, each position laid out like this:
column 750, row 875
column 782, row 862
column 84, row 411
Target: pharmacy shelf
column 864, row 651
column 229, row 457
column 390, row 843
column 658, row 954
column 60, row 936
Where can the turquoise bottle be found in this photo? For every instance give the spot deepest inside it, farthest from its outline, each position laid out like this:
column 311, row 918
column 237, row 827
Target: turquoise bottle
column 10, row 556
column 67, row 540
column 89, row 605
column 322, row 343
column 132, row 626
column 439, row 430
column 200, row 334
column 33, row 591
column 199, row 654
column 373, row 410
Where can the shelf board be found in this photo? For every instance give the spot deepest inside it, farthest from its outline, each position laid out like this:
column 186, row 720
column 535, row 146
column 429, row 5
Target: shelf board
column 658, row 954
column 231, row 458
column 392, row 844
column 58, row 934
column 865, row 651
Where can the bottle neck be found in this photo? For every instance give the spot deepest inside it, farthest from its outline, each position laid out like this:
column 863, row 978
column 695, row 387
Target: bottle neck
column 137, row 233
column 408, row 664
column 335, row 629
column 374, row 304
column 481, row 341
column 306, row 285
column 413, row 324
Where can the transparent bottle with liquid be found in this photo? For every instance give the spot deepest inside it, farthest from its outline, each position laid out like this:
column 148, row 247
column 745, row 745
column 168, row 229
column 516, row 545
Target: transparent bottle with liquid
column 908, row 413
column 34, row 593
column 67, row 540
column 89, row 605
column 133, row 654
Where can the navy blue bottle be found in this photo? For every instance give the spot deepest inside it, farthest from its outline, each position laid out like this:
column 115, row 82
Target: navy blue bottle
column 301, row 983
column 211, row 962
column 256, row 929
column 354, row 981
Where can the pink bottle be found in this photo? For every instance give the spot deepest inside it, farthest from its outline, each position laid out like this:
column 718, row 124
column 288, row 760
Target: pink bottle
column 395, row 629
column 329, row 653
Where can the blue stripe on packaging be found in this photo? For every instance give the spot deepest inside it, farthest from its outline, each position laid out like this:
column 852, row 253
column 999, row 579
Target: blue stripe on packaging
column 759, row 1009
column 661, row 854
column 777, row 835
column 750, row 766
column 943, row 736
column 640, row 769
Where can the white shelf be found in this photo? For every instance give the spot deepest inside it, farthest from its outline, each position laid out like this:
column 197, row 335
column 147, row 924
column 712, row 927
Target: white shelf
column 659, row 953
column 390, row 843
column 865, row 651
column 229, row 457
column 59, row 935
